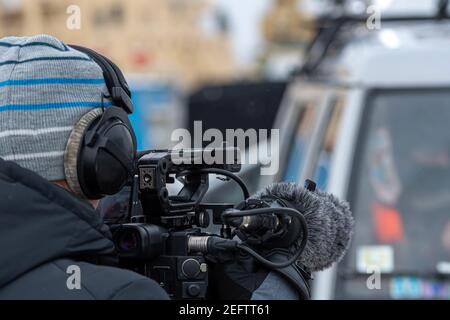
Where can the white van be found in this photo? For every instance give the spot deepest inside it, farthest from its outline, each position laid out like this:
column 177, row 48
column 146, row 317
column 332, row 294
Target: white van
column 371, row 125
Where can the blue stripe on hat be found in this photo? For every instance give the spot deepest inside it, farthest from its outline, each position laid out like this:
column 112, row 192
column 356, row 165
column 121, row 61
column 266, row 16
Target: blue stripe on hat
column 27, row 82
column 64, row 105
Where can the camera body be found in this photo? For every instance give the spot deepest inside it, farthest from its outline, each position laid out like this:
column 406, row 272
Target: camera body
column 162, row 236
column 164, row 256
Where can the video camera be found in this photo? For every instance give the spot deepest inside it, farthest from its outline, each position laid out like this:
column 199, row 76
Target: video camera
column 162, row 237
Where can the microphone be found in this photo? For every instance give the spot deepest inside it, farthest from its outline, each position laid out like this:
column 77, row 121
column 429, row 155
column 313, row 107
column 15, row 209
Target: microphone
column 329, row 223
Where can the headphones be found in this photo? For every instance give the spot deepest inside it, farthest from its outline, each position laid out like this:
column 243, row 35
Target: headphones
column 101, row 151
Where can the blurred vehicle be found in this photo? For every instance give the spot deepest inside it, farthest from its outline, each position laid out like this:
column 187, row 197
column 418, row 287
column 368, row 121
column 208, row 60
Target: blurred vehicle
column 159, row 109
column 367, row 118
column 239, row 105
column 381, row 106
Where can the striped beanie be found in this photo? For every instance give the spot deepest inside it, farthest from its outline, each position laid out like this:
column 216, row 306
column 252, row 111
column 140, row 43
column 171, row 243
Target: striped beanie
column 45, row 88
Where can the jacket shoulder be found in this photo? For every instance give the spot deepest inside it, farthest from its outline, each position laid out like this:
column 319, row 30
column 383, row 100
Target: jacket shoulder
column 68, row 279
column 104, row 282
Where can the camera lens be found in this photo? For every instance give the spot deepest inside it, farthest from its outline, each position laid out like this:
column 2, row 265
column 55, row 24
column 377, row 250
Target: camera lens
column 128, row 241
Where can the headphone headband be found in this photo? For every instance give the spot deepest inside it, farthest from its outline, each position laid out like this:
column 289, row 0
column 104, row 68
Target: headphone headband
column 115, row 81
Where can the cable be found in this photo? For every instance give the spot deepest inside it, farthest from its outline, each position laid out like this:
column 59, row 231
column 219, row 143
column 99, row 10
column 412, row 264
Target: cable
column 267, row 263
column 222, row 172
column 258, row 257
column 232, row 176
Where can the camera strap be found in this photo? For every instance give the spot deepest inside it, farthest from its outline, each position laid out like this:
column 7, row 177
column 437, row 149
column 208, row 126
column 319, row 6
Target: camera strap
column 295, row 274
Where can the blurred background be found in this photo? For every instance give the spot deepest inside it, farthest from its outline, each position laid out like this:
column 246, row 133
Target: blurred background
column 359, row 89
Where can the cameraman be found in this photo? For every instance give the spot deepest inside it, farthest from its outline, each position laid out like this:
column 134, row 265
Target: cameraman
column 47, row 234
column 53, row 244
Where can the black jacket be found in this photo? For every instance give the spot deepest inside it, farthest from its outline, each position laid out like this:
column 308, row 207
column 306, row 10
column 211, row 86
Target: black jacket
column 43, row 231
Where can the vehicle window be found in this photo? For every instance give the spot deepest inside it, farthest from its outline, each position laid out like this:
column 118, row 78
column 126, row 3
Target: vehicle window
column 326, row 153
column 299, row 143
column 400, row 190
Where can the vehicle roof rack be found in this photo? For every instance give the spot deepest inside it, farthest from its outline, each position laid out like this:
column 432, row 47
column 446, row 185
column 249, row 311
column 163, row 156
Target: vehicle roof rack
column 330, row 27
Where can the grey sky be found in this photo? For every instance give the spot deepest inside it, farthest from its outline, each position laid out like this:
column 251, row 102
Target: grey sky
column 245, row 22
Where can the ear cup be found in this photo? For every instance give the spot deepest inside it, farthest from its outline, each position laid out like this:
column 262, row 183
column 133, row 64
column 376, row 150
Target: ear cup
column 73, row 149
column 100, row 153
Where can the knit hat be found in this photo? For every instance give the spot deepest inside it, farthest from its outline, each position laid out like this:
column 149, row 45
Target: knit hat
column 45, row 88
